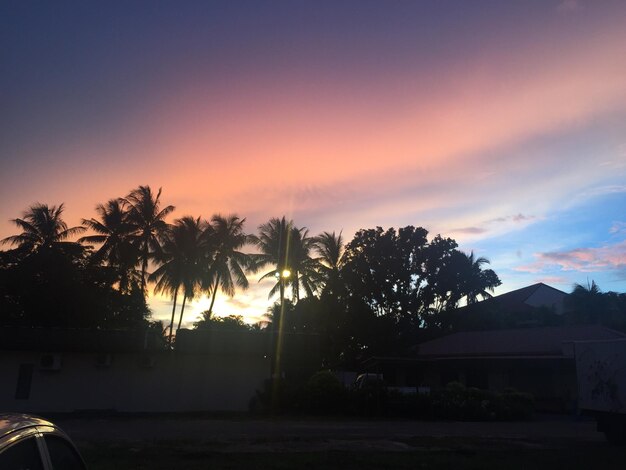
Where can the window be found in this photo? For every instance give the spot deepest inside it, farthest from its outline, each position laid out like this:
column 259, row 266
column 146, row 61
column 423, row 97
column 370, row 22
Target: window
column 24, row 455
column 63, row 455
column 24, row 379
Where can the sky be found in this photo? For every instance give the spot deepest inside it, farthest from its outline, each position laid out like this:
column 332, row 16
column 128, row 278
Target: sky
column 499, row 124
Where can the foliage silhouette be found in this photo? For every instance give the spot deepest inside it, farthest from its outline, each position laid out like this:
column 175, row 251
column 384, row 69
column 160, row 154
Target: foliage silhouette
column 228, row 264
column 148, row 221
column 286, row 248
column 180, row 256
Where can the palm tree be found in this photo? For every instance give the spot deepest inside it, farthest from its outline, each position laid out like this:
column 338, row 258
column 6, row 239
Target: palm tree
column 148, row 220
column 288, row 249
column 479, row 280
column 330, row 249
column 180, row 259
column 42, row 228
column 586, row 304
column 228, row 263
column 113, row 233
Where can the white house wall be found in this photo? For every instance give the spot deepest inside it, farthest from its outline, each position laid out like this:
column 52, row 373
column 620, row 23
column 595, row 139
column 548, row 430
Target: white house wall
column 174, row 383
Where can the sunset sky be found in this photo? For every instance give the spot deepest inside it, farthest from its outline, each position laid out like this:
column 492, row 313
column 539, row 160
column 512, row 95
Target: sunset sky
column 500, row 124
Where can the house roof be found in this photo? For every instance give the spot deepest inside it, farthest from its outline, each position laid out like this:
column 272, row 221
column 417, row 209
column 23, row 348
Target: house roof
column 518, row 300
column 543, row 341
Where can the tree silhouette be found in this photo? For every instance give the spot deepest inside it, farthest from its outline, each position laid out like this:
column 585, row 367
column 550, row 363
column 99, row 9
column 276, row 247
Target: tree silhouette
column 181, row 266
column 42, row 228
column 479, row 281
column 148, row 221
column 330, row 248
column 288, row 249
column 113, row 234
column 48, row 280
column 227, row 265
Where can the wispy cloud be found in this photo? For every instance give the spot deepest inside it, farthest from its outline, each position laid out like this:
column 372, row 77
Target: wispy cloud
column 602, row 191
column 517, row 218
column 618, row 228
column 470, row 230
column 605, row 258
column 496, row 224
column 553, row 280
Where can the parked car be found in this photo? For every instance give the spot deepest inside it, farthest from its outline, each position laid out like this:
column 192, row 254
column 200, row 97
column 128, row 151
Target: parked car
column 32, row 443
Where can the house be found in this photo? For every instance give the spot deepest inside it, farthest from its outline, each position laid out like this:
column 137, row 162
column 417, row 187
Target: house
column 537, row 360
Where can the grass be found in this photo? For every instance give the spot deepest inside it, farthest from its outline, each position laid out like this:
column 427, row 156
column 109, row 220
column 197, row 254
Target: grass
column 442, row 453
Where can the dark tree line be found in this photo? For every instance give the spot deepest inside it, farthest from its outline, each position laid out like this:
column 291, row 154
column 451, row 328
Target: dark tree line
column 373, row 294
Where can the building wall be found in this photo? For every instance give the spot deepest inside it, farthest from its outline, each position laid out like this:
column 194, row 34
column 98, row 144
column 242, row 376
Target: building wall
column 133, row 382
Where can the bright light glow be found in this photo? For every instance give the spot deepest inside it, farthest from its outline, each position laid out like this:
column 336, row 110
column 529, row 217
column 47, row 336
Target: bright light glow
column 286, row 274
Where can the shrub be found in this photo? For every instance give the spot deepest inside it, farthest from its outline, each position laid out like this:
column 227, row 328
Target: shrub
column 472, row 404
column 322, row 394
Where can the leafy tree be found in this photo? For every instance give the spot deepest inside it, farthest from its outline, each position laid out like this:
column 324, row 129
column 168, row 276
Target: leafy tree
column 148, row 221
column 385, row 270
column 231, row 323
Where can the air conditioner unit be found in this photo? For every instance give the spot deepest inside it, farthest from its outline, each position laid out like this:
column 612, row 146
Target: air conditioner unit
column 104, row 360
column 50, row 362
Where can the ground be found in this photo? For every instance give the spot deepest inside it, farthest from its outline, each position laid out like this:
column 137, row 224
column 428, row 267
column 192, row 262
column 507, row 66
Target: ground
column 167, row 442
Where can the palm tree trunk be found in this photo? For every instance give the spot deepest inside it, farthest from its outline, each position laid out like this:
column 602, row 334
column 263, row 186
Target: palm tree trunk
column 144, row 268
column 182, row 310
column 169, row 340
column 217, row 283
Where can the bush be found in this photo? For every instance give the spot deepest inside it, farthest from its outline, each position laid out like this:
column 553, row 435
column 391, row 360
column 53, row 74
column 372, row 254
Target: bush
column 322, row 394
column 472, row 404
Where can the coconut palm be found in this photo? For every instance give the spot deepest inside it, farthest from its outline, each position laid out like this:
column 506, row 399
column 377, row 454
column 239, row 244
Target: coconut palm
column 180, row 259
column 148, row 220
column 586, row 304
column 479, row 281
column 288, row 249
column 227, row 265
column 42, row 228
column 330, row 249
column 113, row 233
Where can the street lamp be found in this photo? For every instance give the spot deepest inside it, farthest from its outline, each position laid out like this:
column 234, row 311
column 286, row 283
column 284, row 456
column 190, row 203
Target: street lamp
column 282, row 276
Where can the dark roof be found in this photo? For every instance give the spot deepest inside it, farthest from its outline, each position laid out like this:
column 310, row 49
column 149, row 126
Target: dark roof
column 78, row 340
column 544, row 341
column 513, row 301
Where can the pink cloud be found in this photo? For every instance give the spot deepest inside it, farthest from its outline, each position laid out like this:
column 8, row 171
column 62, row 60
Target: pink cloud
column 609, row 257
